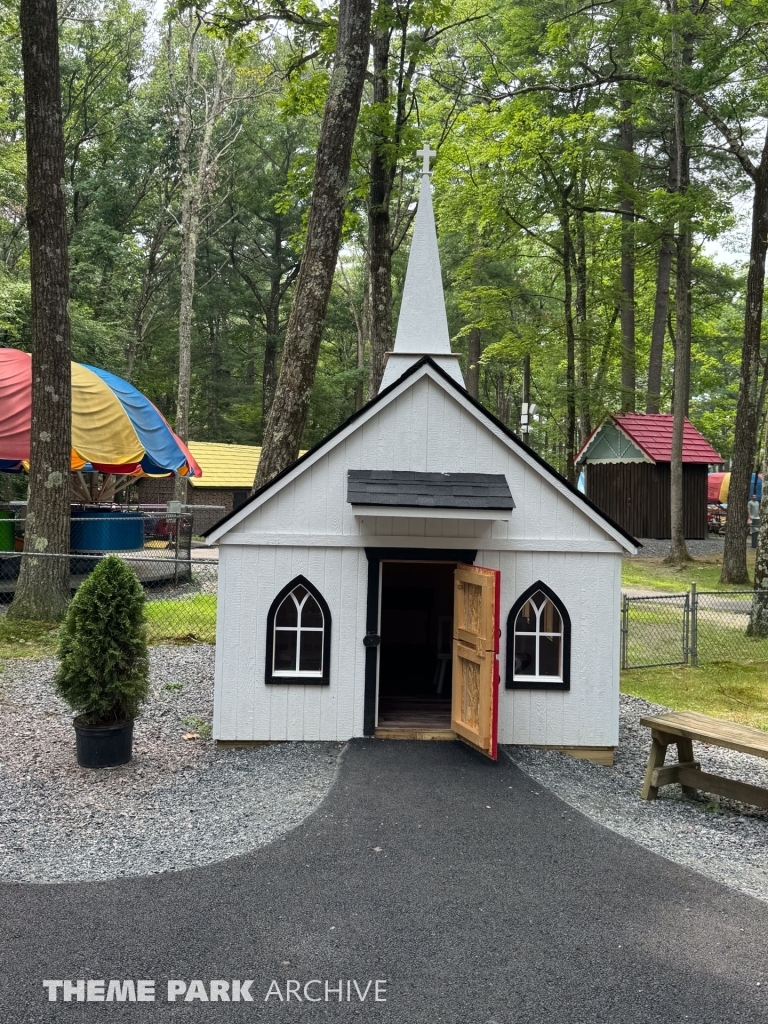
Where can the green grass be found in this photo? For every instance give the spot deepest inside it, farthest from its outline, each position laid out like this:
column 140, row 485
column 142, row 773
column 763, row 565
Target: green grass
column 653, row 574
column 738, row 693
column 185, row 620
column 199, row 725
column 27, row 639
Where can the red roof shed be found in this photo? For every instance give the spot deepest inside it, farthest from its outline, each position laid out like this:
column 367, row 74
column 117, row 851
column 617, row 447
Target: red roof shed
column 651, row 433
column 627, row 465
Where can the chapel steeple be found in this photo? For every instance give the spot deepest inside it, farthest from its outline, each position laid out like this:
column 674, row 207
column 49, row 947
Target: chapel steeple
column 422, row 328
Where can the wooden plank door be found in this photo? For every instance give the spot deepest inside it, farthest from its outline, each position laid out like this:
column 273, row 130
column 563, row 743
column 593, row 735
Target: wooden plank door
column 475, row 702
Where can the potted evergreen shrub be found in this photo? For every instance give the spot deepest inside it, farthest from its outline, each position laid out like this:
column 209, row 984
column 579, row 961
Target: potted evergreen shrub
column 103, row 664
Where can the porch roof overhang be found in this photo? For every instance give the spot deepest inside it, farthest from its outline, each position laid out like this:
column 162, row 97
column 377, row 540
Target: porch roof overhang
column 419, row 512
column 434, row 495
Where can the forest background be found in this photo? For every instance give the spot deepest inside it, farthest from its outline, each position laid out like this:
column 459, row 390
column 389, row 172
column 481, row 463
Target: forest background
column 564, row 223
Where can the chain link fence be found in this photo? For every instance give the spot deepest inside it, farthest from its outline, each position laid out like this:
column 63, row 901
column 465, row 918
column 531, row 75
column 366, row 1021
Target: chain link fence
column 655, row 630
column 692, row 628
column 181, row 592
column 163, row 528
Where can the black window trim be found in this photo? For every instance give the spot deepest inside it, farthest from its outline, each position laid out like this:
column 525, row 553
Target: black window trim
column 510, row 683
column 320, row 680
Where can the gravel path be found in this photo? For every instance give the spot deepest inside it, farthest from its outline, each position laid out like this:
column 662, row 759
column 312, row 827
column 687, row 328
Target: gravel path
column 178, row 804
column 722, row 839
column 660, row 548
column 182, row 803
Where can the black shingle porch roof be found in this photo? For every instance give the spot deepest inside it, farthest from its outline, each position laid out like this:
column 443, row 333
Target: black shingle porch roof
column 428, row 490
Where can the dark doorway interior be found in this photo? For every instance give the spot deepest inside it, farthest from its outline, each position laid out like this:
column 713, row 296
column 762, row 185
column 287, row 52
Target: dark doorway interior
column 416, row 644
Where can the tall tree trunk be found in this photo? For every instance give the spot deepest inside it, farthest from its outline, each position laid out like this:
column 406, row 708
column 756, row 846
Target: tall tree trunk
column 628, row 359
column 475, row 338
column 661, row 304
column 570, row 337
column 678, row 551
column 282, row 436
column 659, row 330
column 190, row 225
column 197, row 162
column 272, row 340
column 745, row 440
column 214, row 370
column 42, row 591
column 503, row 399
column 363, row 339
column 758, row 618
column 379, row 227
column 585, row 369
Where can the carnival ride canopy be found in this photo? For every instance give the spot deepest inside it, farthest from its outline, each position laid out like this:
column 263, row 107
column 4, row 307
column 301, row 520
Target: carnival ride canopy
column 115, row 429
column 718, row 486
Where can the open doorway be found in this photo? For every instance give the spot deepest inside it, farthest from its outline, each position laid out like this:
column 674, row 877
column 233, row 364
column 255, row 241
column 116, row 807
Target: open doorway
column 415, row 656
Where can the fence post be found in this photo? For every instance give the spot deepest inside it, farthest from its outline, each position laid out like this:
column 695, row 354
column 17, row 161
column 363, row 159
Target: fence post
column 176, row 563
column 685, row 638
column 624, row 630
column 694, row 628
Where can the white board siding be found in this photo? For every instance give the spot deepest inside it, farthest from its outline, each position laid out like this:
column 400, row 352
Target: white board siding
column 425, row 429
column 589, row 586
column 245, row 707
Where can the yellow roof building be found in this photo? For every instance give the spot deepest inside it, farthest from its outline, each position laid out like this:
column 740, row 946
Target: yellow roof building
column 225, row 465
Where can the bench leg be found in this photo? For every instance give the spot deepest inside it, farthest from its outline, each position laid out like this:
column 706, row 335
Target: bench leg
column 655, row 760
column 685, row 753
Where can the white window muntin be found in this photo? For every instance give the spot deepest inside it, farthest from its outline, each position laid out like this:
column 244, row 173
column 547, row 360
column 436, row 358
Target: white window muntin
column 298, row 629
column 537, row 635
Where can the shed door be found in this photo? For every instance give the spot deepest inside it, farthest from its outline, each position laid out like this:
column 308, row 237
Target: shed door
column 474, row 710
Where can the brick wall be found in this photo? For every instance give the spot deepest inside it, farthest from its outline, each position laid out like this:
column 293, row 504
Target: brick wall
column 159, row 492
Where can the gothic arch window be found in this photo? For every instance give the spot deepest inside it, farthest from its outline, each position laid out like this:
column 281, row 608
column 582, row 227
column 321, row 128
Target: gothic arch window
column 538, row 642
column 298, row 635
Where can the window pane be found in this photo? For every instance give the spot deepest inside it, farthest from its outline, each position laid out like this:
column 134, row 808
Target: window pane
column 549, row 656
column 550, row 619
column 311, row 651
column 299, row 593
column 286, row 613
column 310, row 613
column 285, row 650
column 525, row 655
column 526, row 619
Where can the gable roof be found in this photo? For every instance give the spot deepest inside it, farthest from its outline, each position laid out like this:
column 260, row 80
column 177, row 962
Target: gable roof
column 407, row 489
column 651, row 433
column 225, row 465
column 438, row 373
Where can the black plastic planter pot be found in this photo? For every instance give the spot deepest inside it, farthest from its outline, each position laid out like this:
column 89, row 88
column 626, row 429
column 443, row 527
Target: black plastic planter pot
column 103, row 746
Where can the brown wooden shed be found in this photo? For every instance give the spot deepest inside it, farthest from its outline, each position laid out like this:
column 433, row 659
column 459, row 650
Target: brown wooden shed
column 626, row 462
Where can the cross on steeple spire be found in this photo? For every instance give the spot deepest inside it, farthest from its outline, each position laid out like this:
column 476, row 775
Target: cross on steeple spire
column 422, row 328
column 427, row 153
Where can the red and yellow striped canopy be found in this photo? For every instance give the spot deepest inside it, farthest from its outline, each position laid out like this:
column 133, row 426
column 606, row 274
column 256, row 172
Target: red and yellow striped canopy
column 115, row 429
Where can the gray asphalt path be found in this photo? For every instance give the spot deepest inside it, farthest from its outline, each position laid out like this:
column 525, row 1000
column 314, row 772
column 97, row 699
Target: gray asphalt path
column 475, row 893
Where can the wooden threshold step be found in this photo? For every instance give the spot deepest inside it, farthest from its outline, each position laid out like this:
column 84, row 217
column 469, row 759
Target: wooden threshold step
column 403, row 733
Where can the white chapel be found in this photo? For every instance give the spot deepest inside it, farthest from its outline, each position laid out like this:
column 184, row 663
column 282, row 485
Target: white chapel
column 421, row 572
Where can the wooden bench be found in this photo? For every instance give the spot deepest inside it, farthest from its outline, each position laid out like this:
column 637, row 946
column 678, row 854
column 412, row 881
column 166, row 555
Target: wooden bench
column 682, row 728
